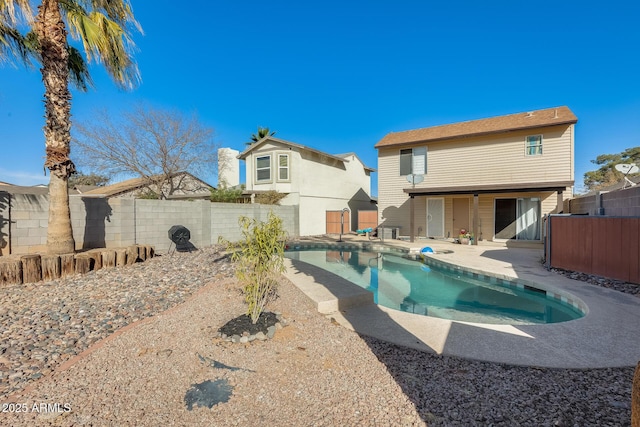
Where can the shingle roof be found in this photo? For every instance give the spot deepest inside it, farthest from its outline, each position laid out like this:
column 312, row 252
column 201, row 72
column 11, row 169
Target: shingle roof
column 511, row 122
column 130, row 185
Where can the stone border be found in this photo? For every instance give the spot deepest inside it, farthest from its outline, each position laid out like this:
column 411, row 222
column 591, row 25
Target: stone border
column 246, row 337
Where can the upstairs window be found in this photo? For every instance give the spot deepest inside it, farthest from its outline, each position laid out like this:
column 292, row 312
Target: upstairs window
column 533, row 145
column 283, row 167
column 263, row 168
column 413, row 161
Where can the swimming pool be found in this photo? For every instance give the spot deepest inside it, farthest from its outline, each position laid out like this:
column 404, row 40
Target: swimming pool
column 411, row 286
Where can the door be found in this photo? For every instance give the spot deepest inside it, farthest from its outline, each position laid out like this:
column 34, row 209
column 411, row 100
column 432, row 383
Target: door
column 435, row 217
column 517, row 218
column 460, row 215
column 505, row 219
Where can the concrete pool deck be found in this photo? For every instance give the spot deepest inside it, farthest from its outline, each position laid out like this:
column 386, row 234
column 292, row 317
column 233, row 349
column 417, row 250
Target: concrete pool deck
column 607, row 336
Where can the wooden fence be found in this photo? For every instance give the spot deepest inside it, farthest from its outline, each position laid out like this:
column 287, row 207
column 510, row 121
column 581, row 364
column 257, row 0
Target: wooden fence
column 367, row 219
column 334, row 222
column 604, row 246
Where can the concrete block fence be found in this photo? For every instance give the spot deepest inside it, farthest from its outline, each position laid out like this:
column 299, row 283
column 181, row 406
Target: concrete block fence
column 111, row 223
column 614, row 203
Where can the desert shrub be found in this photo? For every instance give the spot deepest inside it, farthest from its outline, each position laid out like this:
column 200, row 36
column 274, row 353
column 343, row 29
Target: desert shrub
column 148, row 194
column 260, row 261
column 271, row 197
column 227, row 195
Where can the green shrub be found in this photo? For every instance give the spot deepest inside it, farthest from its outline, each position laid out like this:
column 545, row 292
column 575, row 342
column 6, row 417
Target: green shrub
column 148, row 194
column 260, row 258
column 226, row 195
column 271, row 197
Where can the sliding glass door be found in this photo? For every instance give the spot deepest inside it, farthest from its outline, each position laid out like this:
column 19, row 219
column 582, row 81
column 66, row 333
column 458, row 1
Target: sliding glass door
column 517, row 218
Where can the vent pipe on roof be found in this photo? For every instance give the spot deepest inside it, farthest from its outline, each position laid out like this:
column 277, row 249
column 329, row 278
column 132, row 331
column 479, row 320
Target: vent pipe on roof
column 555, row 113
column 529, row 114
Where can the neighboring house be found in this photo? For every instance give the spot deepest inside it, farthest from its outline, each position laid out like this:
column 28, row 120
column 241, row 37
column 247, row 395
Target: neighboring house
column 320, row 184
column 85, row 188
column 494, row 177
column 183, row 185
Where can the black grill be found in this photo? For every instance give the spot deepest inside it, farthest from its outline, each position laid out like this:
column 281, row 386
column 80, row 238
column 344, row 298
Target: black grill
column 179, row 235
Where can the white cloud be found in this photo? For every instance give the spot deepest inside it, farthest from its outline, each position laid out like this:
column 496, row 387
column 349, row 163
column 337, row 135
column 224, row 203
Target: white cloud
column 22, row 178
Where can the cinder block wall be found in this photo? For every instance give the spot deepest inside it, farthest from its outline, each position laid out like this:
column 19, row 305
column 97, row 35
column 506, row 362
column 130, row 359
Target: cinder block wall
column 102, row 222
column 622, row 203
column 23, row 223
column 615, row 203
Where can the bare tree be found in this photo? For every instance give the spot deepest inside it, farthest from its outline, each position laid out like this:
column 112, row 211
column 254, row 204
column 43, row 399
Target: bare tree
column 148, row 143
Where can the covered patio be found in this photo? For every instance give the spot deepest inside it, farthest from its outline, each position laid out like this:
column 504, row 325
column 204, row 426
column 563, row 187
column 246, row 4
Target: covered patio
column 476, row 190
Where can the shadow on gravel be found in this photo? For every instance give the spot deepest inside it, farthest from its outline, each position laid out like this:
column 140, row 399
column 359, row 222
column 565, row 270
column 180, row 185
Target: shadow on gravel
column 448, row 390
column 208, row 393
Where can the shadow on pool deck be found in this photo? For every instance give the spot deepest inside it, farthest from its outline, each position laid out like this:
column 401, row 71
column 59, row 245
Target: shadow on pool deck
column 606, row 336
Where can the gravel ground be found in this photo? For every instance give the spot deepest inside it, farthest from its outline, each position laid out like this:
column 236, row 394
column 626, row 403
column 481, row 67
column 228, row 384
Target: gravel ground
column 313, row 372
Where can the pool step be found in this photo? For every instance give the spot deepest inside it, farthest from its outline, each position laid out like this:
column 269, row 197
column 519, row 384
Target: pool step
column 330, row 292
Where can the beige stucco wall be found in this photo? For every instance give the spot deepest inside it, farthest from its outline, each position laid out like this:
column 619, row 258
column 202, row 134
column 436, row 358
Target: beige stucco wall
column 493, row 160
column 317, row 184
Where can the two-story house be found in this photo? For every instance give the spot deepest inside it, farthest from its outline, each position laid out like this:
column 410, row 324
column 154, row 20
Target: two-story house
column 319, row 183
column 495, row 177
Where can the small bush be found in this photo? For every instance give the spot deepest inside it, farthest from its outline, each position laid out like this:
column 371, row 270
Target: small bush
column 226, row 195
column 271, row 197
column 148, row 194
column 260, row 258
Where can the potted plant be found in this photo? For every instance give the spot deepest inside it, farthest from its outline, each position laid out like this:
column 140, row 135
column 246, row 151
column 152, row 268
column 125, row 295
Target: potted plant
column 465, row 237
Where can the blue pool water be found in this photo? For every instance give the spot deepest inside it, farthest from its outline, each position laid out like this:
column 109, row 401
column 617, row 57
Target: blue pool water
column 411, row 286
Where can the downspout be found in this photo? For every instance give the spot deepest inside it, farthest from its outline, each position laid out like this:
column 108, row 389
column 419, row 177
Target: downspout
column 547, row 248
column 411, row 219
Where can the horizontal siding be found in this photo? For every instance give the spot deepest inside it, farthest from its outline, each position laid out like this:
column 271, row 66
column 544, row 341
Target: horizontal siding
column 497, row 159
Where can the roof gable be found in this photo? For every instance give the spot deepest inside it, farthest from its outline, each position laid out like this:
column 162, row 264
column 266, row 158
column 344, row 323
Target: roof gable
column 338, row 157
column 512, row 122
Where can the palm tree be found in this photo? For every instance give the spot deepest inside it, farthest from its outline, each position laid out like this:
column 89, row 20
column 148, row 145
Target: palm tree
column 262, row 132
column 103, row 27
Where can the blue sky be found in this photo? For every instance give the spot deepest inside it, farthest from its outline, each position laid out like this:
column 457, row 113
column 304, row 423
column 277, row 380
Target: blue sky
column 337, row 76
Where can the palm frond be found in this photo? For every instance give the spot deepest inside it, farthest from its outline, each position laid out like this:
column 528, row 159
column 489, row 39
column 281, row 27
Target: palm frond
column 78, row 70
column 10, row 10
column 13, row 44
column 105, row 40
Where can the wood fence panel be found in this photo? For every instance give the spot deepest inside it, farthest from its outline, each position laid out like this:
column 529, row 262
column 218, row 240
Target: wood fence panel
column 598, row 255
column 584, row 243
column 634, row 251
column 333, row 222
column 615, row 260
column 367, row 219
column 604, row 246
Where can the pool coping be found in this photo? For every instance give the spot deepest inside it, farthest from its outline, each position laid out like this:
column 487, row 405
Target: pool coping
column 604, row 337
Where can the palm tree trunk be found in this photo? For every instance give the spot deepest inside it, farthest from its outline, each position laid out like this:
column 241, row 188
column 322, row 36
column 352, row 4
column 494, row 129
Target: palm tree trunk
column 52, row 38
column 59, row 232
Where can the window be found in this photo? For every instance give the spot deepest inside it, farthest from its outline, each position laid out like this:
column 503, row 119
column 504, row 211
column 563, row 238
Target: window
column 283, row 167
column 263, row 168
column 518, row 218
column 534, row 145
column 413, row 161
